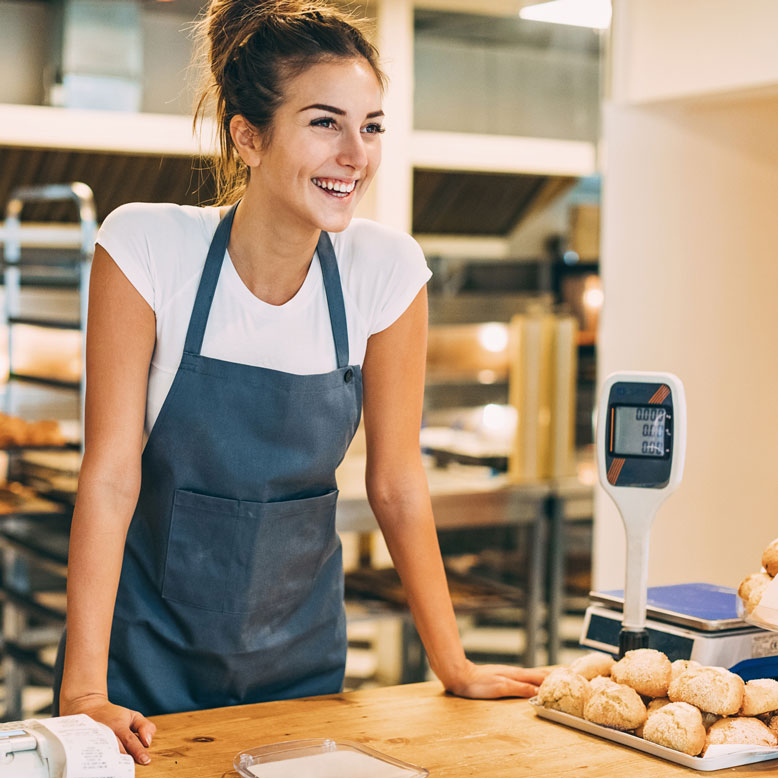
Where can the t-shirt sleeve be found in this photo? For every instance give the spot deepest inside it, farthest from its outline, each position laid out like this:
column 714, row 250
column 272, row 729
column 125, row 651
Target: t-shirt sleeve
column 406, row 273
column 124, row 235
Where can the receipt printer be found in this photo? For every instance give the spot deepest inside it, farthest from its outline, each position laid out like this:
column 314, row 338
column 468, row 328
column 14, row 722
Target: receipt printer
column 30, row 751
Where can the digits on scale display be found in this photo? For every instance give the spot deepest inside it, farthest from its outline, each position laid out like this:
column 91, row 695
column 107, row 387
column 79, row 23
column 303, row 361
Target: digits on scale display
column 639, row 431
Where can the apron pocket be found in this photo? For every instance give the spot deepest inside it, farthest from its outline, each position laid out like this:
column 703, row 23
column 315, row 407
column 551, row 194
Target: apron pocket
column 199, row 549
column 278, row 551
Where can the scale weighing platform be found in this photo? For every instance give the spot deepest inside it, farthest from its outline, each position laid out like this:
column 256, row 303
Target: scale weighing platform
column 688, row 621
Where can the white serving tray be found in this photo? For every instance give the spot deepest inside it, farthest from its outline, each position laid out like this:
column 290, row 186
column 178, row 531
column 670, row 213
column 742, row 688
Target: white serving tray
column 725, row 756
column 322, row 758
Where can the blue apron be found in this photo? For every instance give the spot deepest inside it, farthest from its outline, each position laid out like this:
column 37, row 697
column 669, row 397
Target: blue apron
column 231, row 588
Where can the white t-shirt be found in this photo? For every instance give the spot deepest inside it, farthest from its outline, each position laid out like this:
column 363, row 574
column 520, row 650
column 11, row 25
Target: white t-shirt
column 162, row 247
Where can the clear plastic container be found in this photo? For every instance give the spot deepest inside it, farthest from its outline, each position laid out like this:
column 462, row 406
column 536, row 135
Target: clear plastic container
column 768, row 620
column 321, row 758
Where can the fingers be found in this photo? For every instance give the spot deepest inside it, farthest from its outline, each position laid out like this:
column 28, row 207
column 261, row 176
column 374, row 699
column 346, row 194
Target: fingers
column 498, row 686
column 519, row 689
column 133, row 745
column 531, row 675
column 144, row 728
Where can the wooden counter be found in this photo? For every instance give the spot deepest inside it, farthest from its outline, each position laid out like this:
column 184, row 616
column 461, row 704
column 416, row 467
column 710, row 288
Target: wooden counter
column 451, row 737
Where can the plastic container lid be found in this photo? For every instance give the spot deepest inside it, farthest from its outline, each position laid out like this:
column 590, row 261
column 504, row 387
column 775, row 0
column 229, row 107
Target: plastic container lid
column 321, row 758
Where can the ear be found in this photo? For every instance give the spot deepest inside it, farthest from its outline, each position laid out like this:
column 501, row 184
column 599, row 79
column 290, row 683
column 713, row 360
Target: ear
column 246, row 139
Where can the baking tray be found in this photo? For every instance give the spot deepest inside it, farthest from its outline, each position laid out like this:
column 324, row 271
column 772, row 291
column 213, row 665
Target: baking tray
column 321, row 758
column 704, row 764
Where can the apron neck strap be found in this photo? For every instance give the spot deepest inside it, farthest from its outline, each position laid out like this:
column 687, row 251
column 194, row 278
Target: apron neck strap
column 208, row 281
column 210, row 277
column 334, row 292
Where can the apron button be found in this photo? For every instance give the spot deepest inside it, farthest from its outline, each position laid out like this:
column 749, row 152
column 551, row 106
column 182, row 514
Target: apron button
column 348, row 376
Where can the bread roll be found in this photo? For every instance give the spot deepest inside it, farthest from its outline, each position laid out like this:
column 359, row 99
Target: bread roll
column 599, row 681
column 740, row 731
column 647, row 671
column 593, row 664
column 770, row 558
column 615, row 705
column 751, row 582
column 682, row 665
column 677, row 725
column 756, row 592
column 564, row 690
column 759, row 696
column 653, row 705
column 711, row 689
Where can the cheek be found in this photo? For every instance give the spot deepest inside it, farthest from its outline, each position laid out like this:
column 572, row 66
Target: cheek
column 374, row 156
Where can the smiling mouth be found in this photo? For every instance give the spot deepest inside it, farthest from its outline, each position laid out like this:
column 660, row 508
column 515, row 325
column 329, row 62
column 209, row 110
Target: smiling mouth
column 335, row 187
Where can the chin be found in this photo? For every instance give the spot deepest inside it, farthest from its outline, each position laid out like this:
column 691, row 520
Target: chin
column 335, row 223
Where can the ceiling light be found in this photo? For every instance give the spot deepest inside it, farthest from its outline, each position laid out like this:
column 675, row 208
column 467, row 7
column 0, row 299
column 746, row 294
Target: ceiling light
column 579, row 13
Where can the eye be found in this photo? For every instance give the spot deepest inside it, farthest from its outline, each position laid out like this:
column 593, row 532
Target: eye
column 326, row 121
column 373, row 129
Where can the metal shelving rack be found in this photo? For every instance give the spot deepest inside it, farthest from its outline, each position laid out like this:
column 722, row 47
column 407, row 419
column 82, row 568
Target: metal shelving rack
column 34, row 543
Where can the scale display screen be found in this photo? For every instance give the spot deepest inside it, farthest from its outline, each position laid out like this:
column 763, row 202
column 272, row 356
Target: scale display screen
column 639, row 430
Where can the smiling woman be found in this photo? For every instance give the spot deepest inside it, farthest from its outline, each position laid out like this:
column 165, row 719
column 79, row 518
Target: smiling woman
column 230, row 354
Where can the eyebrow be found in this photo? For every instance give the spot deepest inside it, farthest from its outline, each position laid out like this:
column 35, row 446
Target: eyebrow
column 338, row 111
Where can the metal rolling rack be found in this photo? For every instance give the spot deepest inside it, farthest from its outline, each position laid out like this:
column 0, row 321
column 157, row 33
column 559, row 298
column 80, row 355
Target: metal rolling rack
column 34, row 543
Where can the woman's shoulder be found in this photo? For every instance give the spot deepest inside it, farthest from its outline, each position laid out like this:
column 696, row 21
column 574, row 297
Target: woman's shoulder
column 373, row 237
column 162, row 219
column 368, row 244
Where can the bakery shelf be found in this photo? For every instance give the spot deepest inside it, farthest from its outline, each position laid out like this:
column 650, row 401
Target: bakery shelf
column 35, row 544
column 54, row 383
column 56, row 324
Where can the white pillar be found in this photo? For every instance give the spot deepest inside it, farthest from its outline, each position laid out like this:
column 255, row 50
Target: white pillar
column 689, row 271
column 394, row 182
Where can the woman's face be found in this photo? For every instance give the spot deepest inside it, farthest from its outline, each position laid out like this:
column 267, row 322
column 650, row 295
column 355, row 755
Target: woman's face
column 325, row 146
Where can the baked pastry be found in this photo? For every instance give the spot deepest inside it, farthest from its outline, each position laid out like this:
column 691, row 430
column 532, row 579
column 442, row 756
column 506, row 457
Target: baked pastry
column 615, row 705
column 593, row 664
column 711, row 689
column 740, row 730
column 682, row 665
column 759, row 696
column 750, row 582
column 756, row 591
column 599, row 681
column 677, row 725
column 647, row 671
column 770, row 558
column 654, row 705
column 564, row 690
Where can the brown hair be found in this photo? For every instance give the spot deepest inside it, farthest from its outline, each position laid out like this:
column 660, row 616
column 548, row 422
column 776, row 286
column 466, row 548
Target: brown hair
column 252, row 48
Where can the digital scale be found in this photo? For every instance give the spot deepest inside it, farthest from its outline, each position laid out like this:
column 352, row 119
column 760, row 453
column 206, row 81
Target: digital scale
column 641, row 447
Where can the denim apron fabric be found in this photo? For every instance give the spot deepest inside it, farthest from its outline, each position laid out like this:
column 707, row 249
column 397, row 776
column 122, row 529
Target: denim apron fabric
column 231, row 588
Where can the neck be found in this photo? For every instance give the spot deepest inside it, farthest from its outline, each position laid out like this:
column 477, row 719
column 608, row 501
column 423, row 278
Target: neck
column 271, row 256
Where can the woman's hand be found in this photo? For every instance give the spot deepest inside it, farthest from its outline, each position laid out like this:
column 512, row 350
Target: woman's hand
column 132, row 730
column 490, row 681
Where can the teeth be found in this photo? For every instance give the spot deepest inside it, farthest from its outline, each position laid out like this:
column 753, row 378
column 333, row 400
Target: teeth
column 335, row 186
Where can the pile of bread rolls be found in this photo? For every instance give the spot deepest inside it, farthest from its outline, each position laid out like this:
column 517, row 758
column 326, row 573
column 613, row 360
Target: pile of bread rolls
column 15, row 432
column 752, row 587
column 681, row 705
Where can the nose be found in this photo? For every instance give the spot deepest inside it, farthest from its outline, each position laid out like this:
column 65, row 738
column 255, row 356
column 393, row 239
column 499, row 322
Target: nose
column 352, row 152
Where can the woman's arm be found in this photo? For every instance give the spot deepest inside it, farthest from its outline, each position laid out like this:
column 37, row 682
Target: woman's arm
column 121, row 333
column 397, row 489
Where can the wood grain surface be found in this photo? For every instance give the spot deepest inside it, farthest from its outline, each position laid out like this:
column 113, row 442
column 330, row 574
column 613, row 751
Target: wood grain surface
column 417, row 723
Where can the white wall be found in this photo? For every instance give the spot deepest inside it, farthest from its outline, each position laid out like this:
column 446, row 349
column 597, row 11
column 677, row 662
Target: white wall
column 691, row 281
column 666, row 49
